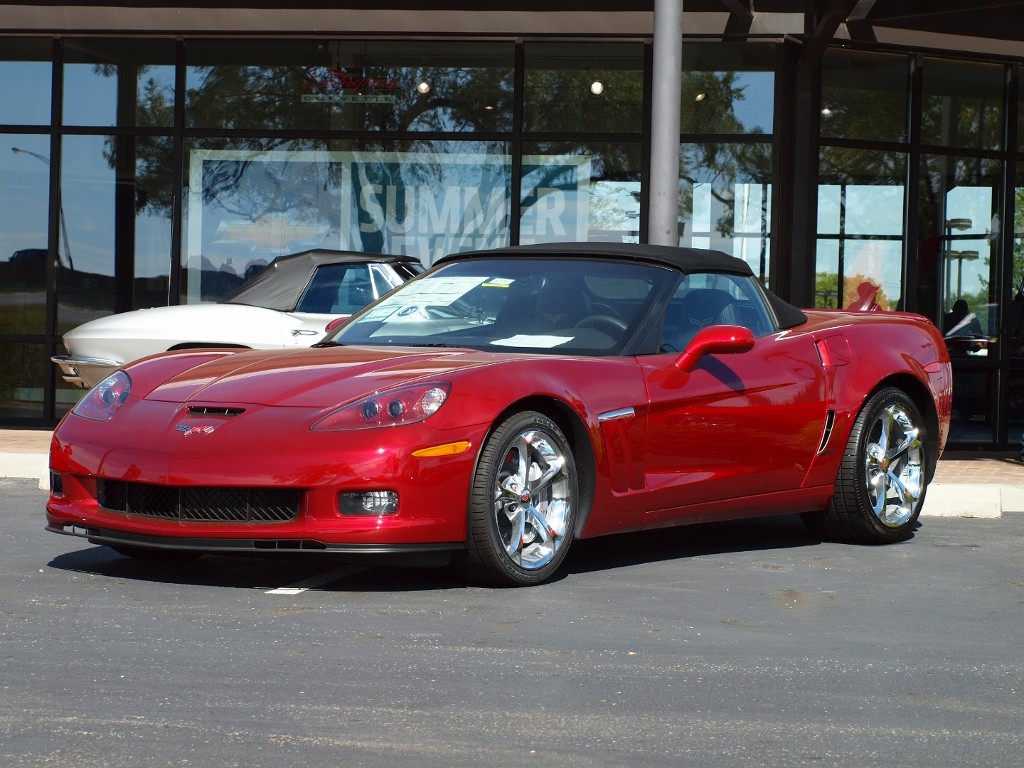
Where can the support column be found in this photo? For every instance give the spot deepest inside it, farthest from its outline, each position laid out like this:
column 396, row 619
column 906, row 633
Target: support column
column 663, row 211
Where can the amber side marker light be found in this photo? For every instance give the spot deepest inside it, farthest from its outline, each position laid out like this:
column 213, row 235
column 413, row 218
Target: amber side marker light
column 448, row 449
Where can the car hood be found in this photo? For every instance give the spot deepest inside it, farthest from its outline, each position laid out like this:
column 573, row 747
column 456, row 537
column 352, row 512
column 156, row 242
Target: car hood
column 164, row 321
column 311, row 378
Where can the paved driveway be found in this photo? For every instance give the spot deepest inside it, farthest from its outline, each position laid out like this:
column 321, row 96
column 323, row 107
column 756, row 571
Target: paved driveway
column 741, row 644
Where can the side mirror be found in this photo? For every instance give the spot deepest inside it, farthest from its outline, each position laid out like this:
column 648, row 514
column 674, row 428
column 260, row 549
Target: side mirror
column 714, row 340
column 337, row 322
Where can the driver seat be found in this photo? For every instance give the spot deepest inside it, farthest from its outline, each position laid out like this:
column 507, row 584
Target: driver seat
column 557, row 305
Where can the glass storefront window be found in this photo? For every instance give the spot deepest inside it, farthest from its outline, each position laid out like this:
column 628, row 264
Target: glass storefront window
column 864, row 96
column 962, row 104
column 24, row 216
column 21, row 380
column 119, row 83
column 26, row 74
column 1013, row 330
column 725, row 200
column 958, row 238
column 250, row 201
column 958, row 264
column 117, row 252
column 575, row 192
column 349, row 85
column 1020, row 115
column 584, row 87
column 860, row 228
column 728, row 88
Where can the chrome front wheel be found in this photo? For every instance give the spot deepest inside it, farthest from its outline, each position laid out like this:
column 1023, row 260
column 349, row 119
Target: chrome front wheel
column 524, row 502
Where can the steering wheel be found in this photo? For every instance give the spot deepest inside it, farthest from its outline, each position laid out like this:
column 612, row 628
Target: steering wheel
column 613, row 326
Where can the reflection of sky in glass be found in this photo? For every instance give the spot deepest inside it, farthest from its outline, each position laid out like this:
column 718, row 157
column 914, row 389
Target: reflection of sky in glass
column 743, row 223
column 874, row 210
column 756, row 110
column 88, row 203
column 24, row 198
column 871, row 209
column 881, row 260
column 90, row 98
column 88, row 200
column 25, row 92
column 973, row 206
column 877, row 210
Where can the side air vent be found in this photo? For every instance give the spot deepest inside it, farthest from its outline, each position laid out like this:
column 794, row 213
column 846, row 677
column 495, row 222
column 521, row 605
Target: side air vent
column 830, row 422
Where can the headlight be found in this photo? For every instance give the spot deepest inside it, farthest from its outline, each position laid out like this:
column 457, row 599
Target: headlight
column 104, row 400
column 387, row 409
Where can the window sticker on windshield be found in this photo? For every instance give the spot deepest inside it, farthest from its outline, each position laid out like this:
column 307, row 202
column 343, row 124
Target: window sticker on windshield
column 498, row 282
column 439, row 293
column 542, row 341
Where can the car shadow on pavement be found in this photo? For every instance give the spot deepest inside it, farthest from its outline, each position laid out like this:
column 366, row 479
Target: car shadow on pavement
column 687, row 541
column 333, row 574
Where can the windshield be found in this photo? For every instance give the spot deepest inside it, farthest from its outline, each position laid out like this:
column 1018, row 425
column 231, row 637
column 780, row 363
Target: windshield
column 561, row 306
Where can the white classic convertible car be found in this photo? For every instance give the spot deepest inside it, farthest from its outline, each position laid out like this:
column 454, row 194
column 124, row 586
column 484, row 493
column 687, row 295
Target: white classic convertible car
column 288, row 304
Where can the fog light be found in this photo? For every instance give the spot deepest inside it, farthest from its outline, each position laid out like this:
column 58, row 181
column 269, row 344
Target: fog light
column 368, row 503
column 56, row 484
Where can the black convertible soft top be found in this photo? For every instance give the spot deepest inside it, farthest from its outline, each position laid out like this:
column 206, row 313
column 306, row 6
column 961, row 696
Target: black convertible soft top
column 280, row 284
column 683, row 259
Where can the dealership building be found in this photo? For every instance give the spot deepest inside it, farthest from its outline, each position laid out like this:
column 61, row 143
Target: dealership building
column 156, row 152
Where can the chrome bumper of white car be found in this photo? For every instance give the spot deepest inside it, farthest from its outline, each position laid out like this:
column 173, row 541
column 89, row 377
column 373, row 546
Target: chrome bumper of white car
column 85, row 372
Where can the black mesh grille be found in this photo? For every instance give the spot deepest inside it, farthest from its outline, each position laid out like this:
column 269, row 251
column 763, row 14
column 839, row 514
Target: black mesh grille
column 211, row 504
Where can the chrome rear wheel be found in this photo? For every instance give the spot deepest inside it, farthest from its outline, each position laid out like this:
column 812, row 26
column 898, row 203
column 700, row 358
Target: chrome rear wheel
column 881, row 483
column 892, row 466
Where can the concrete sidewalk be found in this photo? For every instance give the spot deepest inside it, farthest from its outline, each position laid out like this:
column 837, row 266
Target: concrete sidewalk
column 966, row 484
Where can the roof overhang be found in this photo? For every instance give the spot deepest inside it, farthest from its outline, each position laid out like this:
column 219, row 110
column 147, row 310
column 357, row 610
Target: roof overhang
column 983, row 26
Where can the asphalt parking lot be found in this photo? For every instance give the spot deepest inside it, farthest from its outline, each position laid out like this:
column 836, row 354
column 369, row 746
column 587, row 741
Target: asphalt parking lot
column 738, row 644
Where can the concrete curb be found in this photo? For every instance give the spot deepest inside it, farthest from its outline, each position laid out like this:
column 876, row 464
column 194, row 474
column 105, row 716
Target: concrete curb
column 26, row 465
column 963, row 500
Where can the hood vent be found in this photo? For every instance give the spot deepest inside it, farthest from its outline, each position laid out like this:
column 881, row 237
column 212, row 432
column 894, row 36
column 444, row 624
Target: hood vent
column 209, row 410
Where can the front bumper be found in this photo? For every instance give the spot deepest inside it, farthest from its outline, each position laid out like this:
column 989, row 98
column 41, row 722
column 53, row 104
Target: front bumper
column 205, row 484
column 378, row 554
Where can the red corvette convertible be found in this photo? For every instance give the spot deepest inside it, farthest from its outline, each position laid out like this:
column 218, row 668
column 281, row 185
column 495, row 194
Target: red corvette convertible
column 507, row 402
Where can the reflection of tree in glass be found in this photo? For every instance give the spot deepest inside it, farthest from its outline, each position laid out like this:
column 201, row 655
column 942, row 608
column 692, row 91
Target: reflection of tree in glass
column 459, row 99
column 373, row 98
column 563, row 100
column 1018, row 239
column 708, row 107
column 825, row 293
column 857, row 112
column 153, row 155
column 270, row 98
column 964, row 120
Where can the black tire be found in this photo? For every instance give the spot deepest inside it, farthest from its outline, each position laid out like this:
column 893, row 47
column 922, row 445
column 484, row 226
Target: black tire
column 519, row 536
column 880, row 487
